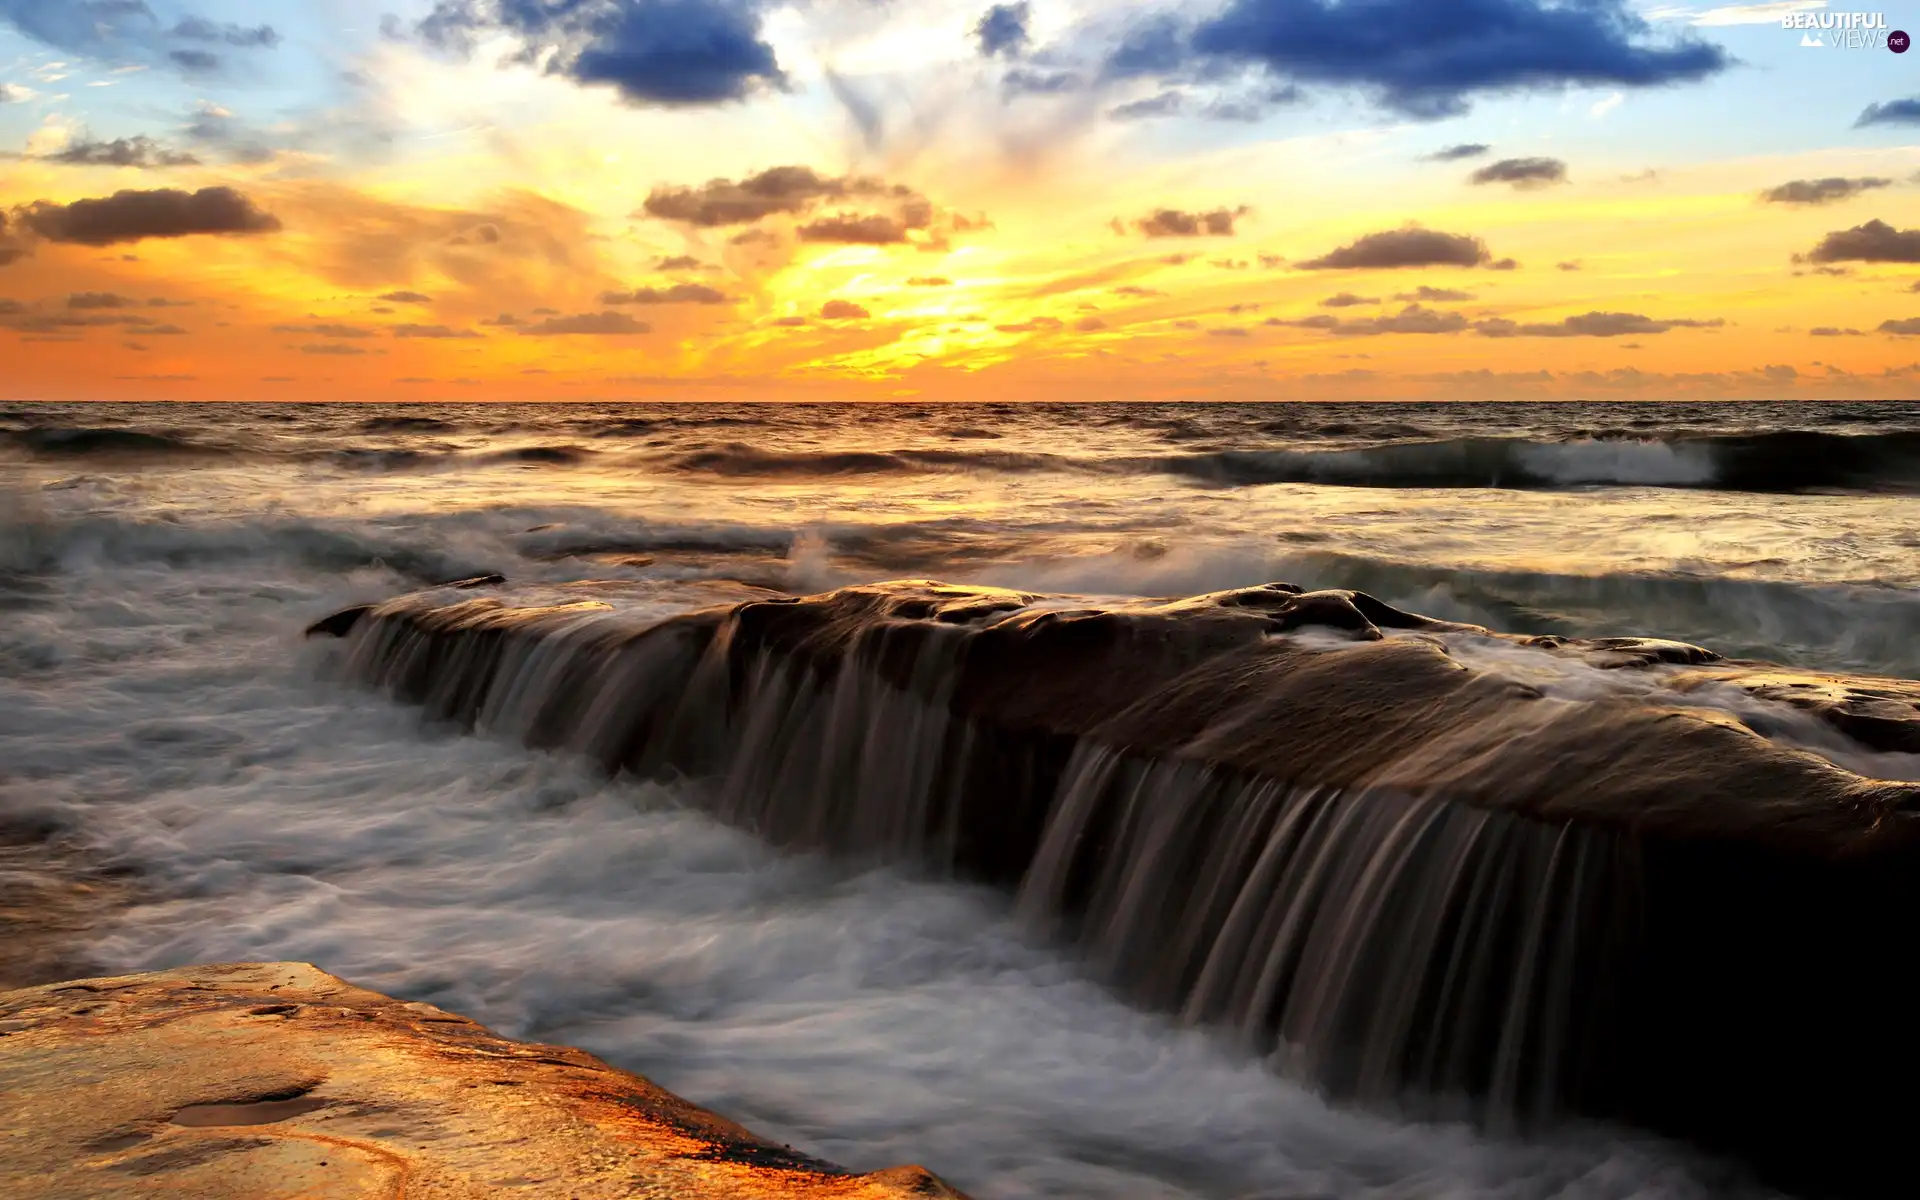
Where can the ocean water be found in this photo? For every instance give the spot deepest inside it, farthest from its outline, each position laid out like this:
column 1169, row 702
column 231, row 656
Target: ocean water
column 158, row 706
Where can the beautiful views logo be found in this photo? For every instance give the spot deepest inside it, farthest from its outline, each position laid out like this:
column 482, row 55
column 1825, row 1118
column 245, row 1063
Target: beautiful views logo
column 1846, row 31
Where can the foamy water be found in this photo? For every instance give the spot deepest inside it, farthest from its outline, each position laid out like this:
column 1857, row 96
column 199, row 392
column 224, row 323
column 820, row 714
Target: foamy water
column 156, row 699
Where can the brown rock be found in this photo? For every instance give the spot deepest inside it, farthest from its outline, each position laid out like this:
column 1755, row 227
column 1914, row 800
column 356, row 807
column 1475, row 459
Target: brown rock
column 261, row 1081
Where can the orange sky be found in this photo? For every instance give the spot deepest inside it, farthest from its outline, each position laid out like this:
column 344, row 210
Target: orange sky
column 1019, row 253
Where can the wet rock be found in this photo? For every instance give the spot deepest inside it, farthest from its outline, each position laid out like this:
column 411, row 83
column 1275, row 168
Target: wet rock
column 258, row 1081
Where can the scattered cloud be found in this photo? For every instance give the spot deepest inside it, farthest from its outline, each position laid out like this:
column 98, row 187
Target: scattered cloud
column 129, row 216
column 679, row 262
column 199, row 29
column 1456, row 153
column 1172, row 222
column 337, row 349
column 85, row 300
column 406, row 298
column 1894, row 112
column 679, row 293
column 600, row 324
column 1831, row 190
column 1593, row 324
column 929, row 281
column 1908, row 327
column 855, row 229
column 671, row 53
column 1409, row 247
column 843, row 310
column 1569, row 265
column 326, row 330
column 1831, row 331
column 195, row 62
column 1434, row 294
column 138, row 151
column 1523, row 173
column 1002, row 31
column 1876, row 241
column 1347, row 300
column 430, row 331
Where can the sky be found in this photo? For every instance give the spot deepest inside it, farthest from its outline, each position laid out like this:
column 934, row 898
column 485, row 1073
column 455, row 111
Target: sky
column 925, row 199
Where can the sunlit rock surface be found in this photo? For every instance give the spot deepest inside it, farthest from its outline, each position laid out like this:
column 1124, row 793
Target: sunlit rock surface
column 264, row 1081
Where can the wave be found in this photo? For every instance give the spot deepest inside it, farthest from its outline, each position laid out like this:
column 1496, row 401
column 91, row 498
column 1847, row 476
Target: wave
column 407, row 425
column 737, row 459
column 76, row 441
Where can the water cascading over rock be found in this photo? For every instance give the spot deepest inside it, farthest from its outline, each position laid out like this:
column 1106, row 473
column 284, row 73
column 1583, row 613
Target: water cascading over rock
column 1307, row 819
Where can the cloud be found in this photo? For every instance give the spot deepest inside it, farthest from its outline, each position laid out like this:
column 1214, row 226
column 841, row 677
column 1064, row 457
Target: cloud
column 194, row 62
column 1034, row 325
column 1593, row 324
column 653, row 52
column 601, row 324
column 1908, row 327
column 138, row 151
column 777, row 190
column 1893, row 112
column 929, row 281
column 503, row 321
column 199, row 29
column 1414, row 318
column 406, row 298
column 1831, row 331
column 1458, row 152
column 1409, row 247
column 92, row 27
column 1003, row 30
column 1347, row 300
column 843, row 310
column 129, row 216
column 1134, row 289
column 1164, row 104
column 1089, row 324
column 1229, row 331
column 1172, row 222
column 334, row 348
column 679, row 293
column 1522, row 172
column 1418, row 58
column 790, row 322
column 679, row 262
column 1568, row 265
column 1023, row 82
column 854, row 229
column 1821, row 191
column 84, row 300
column 430, row 331
column 326, row 330
column 1876, row 241
column 1434, row 294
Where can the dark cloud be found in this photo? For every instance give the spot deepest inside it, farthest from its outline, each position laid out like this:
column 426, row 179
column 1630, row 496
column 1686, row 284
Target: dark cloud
column 1410, row 247
column 653, row 52
column 1228, row 264
column 1522, row 172
column 600, row 324
column 855, row 229
column 1434, row 294
column 194, row 62
column 1171, row 222
column 158, row 331
column 1003, row 30
column 1165, row 104
column 1024, row 82
column 929, row 281
column 85, row 300
column 790, row 322
column 1907, row 327
column 1503, row 264
column 843, row 310
column 138, row 151
column 199, row 29
column 1347, row 300
column 679, row 293
column 128, row 216
column 1034, row 325
column 776, row 190
column 1231, row 331
column 1876, row 241
column 1463, row 150
column 325, row 330
column 1893, row 112
column 1593, row 324
column 1568, row 265
column 679, row 262
column 1133, row 289
column 1418, row 58
column 430, row 331
column 1414, row 318
column 503, row 321
column 406, row 298
column 1089, row 324
column 334, row 348
column 1821, row 191
column 1831, row 331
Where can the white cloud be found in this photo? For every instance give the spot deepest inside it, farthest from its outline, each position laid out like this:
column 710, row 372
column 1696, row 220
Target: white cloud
column 1755, row 14
column 1612, row 101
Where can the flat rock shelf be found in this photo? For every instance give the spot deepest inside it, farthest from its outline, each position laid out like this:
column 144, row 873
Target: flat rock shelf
column 259, row 1081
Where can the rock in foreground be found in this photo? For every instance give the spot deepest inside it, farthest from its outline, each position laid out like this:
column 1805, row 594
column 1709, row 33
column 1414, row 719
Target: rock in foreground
column 261, row 1081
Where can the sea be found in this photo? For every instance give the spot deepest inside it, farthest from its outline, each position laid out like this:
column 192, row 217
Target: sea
column 163, row 721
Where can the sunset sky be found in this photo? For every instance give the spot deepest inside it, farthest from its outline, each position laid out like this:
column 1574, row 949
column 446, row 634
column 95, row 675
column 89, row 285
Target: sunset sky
column 871, row 199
